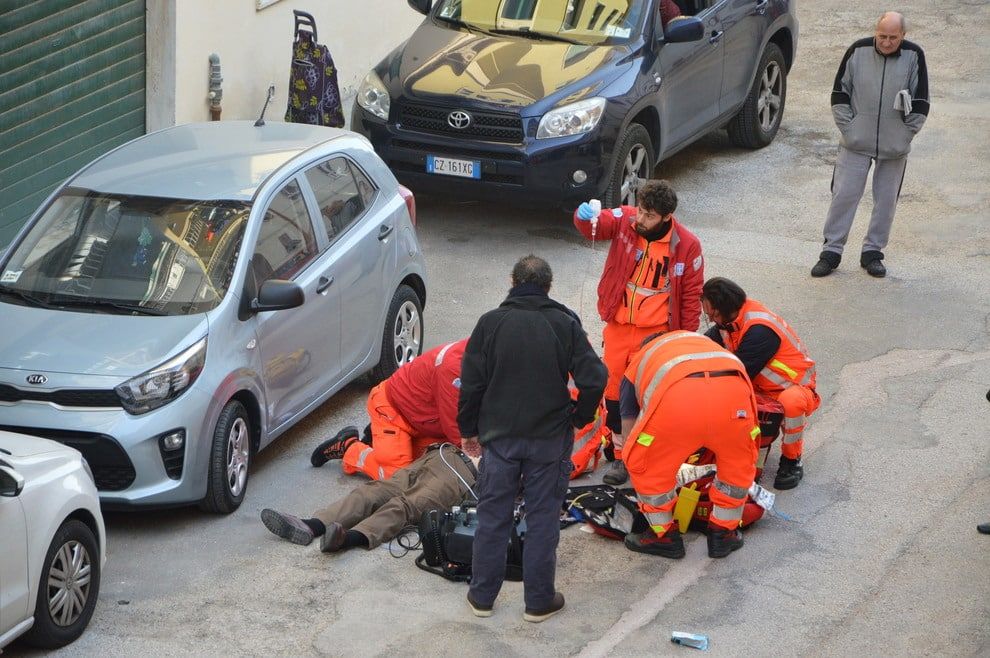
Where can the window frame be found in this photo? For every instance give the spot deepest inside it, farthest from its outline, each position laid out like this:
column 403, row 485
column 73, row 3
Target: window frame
column 303, row 185
column 315, row 210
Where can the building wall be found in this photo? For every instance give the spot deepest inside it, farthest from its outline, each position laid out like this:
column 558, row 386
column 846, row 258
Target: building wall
column 255, row 49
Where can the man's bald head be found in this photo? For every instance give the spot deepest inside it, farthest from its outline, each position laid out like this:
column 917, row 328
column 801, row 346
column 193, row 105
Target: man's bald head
column 890, row 32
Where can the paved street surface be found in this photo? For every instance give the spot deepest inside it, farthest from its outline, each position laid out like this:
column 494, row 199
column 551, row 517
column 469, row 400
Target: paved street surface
column 882, row 555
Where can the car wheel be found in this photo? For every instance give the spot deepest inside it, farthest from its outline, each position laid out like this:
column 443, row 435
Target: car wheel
column 69, row 587
column 757, row 122
column 634, row 161
column 230, row 458
column 402, row 338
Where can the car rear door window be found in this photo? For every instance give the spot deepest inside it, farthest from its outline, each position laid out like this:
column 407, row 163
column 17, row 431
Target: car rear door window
column 342, row 194
column 287, row 242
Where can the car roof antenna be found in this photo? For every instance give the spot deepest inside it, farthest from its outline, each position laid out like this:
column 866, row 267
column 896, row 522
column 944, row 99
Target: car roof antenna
column 271, row 95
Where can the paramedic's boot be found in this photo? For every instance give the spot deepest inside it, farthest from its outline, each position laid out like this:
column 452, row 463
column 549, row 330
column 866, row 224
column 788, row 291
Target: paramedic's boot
column 616, row 474
column 789, row 473
column 366, row 436
column 669, row 544
column 983, row 528
column 721, row 542
column 287, row 526
column 334, row 448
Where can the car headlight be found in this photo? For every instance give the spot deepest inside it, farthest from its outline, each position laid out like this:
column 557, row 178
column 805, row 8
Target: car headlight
column 573, row 119
column 373, row 96
column 161, row 385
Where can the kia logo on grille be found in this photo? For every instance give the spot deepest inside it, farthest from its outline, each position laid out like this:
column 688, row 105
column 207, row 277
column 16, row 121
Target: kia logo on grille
column 36, row 379
column 459, row 119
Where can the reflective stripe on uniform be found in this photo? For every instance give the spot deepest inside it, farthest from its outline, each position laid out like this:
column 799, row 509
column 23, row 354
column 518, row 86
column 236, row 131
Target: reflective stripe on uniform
column 363, row 456
column 776, row 378
column 754, row 433
column 644, row 292
column 793, row 438
column 730, row 490
column 441, row 354
column 673, row 363
column 727, row 514
column 653, row 348
column 780, row 365
column 381, row 473
column 797, row 422
column 644, row 439
column 657, row 500
column 663, row 518
column 581, row 444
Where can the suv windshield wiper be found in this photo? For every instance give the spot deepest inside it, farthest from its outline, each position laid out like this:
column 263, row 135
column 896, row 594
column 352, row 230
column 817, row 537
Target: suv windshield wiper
column 106, row 303
column 529, row 34
column 459, row 23
column 25, row 297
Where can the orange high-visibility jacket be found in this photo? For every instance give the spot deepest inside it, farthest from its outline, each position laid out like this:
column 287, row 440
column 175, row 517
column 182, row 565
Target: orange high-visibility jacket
column 789, row 366
column 668, row 359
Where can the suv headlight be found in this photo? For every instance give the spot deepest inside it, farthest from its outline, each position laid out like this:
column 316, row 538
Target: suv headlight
column 373, row 96
column 161, row 385
column 573, row 119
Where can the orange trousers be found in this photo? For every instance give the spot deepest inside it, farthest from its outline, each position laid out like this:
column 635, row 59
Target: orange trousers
column 714, row 412
column 799, row 402
column 395, row 444
column 621, row 342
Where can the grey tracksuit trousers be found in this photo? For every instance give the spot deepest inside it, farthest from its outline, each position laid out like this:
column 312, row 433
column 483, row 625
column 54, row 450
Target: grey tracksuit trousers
column 848, row 184
column 380, row 509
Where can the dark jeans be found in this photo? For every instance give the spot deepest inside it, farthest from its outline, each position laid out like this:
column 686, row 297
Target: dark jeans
column 543, row 467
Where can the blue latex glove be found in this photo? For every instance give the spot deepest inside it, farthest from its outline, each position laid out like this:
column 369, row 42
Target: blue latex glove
column 585, row 212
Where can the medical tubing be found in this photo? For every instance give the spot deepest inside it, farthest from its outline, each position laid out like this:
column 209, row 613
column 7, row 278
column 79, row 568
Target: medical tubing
column 454, row 470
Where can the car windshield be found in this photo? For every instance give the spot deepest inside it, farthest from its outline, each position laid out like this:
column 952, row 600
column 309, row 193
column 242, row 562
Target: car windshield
column 113, row 253
column 588, row 22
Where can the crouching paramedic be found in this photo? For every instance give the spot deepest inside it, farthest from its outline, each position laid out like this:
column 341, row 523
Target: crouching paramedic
column 776, row 361
column 375, row 512
column 412, row 409
column 651, row 283
column 682, row 391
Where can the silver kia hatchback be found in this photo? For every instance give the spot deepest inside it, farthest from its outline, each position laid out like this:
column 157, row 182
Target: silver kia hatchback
column 186, row 298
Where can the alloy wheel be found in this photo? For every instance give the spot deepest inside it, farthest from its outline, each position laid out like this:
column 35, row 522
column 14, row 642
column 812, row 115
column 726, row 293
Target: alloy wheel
column 407, row 335
column 635, row 168
column 768, row 103
column 238, row 454
column 68, row 583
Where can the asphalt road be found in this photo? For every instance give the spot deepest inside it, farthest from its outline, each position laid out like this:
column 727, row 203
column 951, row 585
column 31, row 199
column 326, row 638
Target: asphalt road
column 882, row 555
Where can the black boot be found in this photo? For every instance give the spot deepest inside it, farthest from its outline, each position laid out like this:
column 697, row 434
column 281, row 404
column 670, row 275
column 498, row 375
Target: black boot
column 616, row 474
column 334, row 448
column 366, row 435
column 827, row 261
column 721, row 542
column 789, row 473
column 983, row 528
column 670, row 544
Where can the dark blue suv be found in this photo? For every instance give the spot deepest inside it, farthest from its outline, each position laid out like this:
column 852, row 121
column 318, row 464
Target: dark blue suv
column 559, row 101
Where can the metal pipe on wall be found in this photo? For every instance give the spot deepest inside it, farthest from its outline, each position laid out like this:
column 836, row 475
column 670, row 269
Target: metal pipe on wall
column 216, row 91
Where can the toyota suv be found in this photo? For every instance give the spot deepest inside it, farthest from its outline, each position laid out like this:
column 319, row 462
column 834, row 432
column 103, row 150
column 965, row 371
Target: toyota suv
column 563, row 100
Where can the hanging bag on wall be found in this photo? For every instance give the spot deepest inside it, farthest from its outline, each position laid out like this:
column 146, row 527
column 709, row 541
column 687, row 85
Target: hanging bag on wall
column 314, row 94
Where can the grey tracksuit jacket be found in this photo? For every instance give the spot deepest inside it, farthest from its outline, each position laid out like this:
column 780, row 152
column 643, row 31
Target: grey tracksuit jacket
column 864, row 94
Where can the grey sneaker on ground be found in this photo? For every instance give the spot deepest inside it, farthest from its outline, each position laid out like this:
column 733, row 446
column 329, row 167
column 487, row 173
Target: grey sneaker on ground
column 287, row 527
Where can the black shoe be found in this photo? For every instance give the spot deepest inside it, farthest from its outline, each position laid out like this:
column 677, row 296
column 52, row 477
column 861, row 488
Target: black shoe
column 789, row 473
column 616, row 474
column 287, row 526
column 334, row 448
column 536, row 616
column 827, row 261
column 983, row 528
column 477, row 609
column 366, row 435
column 333, row 539
column 876, row 268
column 670, row 544
column 721, row 542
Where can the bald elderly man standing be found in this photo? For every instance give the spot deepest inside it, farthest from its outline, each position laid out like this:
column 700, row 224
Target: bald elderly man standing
column 879, row 103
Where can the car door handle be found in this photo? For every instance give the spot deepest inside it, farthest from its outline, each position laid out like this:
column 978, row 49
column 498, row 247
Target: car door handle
column 385, row 231
column 761, row 7
column 324, row 284
column 715, row 36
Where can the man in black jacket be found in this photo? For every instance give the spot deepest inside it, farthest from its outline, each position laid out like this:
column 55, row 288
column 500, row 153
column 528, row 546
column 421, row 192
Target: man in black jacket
column 515, row 401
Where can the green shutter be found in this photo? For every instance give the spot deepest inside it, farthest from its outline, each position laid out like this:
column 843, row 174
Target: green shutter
column 71, row 88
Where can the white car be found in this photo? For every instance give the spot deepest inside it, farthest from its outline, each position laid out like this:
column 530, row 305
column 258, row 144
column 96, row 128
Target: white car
column 52, row 542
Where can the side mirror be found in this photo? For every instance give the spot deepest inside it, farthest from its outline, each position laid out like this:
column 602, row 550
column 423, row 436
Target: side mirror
column 422, row 6
column 683, row 29
column 11, row 482
column 278, row 295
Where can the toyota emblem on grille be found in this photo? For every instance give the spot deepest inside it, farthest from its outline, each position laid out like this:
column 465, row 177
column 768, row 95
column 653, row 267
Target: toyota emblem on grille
column 459, row 119
column 36, row 379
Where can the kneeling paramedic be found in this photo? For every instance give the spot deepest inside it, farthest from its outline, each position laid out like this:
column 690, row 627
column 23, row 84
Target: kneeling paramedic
column 682, row 391
column 776, row 361
column 414, row 408
column 376, row 511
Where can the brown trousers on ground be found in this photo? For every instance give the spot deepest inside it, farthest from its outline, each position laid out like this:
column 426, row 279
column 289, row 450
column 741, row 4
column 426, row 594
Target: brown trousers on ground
column 380, row 509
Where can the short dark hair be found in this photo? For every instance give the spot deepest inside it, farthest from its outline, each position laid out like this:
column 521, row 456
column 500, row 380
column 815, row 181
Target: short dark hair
column 532, row 269
column 657, row 196
column 726, row 296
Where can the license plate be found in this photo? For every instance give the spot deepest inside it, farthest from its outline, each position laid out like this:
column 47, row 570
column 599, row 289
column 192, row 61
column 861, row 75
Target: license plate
column 453, row 167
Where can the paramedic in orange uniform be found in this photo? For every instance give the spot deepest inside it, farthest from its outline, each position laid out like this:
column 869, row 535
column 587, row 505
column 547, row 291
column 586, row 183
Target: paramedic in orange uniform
column 682, row 391
column 651, row 283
